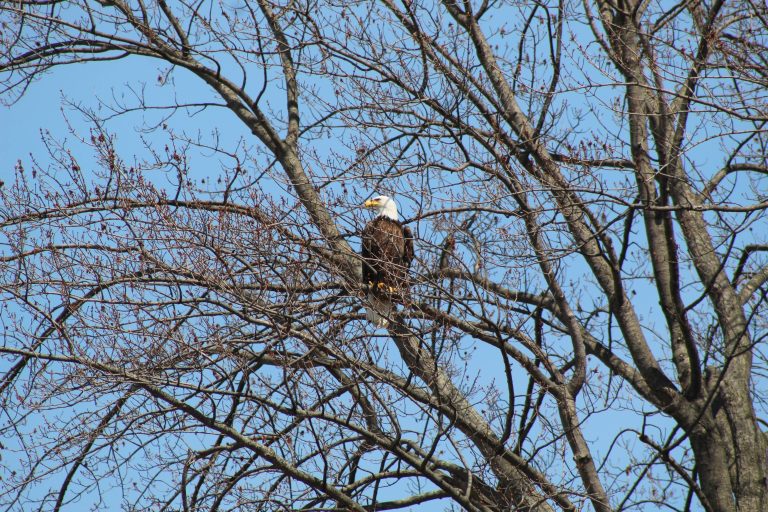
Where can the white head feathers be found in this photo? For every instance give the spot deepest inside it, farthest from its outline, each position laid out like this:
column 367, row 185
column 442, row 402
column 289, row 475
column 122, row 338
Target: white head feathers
column 384, row 206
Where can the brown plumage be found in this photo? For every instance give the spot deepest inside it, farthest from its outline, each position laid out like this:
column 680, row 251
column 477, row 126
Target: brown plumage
column 387, row 251
column 387, row 254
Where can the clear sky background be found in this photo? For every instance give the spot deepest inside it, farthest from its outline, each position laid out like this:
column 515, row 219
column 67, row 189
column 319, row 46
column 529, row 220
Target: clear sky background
column 48, row 105
column 41, row 107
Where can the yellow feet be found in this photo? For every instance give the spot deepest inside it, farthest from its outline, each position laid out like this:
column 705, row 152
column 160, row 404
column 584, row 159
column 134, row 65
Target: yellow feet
column 382, row 286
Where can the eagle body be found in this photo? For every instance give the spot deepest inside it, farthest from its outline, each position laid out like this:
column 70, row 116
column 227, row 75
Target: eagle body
column 387, row 252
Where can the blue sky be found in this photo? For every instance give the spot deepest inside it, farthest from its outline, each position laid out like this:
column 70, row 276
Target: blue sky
column 40, row 108
column 48, row 105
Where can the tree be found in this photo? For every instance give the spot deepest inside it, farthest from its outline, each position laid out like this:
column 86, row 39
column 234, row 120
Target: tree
column 587, row 332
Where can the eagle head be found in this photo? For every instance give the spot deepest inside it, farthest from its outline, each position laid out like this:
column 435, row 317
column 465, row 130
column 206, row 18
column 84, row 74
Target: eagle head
column 383, row 205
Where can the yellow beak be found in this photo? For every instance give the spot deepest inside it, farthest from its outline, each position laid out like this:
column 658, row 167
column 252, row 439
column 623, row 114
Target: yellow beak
column 371, row 203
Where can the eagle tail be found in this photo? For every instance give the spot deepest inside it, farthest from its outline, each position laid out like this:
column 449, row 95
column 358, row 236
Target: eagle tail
column 379, row 310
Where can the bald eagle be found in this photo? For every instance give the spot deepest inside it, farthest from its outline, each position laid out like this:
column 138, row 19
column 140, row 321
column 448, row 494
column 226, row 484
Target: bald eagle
column 387, row 251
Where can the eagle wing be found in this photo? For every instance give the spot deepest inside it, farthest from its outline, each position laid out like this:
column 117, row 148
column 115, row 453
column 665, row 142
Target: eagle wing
column 367, row 252
column 387, row 251
column 408, row 251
